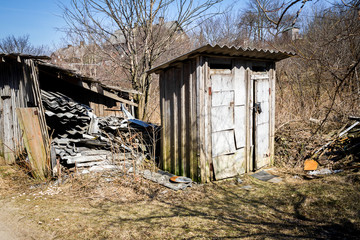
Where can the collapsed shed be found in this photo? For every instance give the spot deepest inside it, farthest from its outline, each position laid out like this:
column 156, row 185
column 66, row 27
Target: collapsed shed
column 218, row 111
column 23, row 81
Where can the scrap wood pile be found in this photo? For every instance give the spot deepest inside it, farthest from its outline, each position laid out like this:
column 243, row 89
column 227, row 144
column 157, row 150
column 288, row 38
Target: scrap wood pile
column 340, row 153
column 292, row 144
column 83, row 141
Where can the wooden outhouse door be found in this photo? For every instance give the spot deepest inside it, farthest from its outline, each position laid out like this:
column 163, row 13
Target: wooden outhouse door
column 261, row 119
column 231, row 123
column 227, row 135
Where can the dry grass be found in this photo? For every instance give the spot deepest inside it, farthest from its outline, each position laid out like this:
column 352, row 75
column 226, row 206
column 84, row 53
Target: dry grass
column 112, row 207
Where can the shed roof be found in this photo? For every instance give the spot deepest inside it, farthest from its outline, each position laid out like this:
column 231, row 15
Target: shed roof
column 72, row 76
column 22, row 55
column 80, row 80
column 231, row 51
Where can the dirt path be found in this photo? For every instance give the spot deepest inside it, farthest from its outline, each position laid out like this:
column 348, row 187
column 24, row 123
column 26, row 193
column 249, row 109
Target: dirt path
column 15, row 227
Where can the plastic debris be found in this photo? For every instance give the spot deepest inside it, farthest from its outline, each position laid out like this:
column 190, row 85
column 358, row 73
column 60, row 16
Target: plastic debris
column 324, row 171
column 310, row 165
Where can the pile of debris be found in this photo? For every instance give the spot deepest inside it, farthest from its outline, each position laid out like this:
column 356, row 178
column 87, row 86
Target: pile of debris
column 340, row 153
column 85, row 142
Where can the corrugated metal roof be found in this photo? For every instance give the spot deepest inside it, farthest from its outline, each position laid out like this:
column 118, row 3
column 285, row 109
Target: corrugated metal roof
column 231, row 51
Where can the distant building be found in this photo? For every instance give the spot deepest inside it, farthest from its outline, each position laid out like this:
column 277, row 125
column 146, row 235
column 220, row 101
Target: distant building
column 291, row 34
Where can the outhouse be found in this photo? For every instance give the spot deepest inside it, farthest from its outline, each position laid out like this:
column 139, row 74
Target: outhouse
column 218, row 111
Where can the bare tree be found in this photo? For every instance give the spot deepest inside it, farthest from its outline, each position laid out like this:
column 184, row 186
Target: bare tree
column 325, row 80
column 132, row 34
column 21, row 44
column 248, row 27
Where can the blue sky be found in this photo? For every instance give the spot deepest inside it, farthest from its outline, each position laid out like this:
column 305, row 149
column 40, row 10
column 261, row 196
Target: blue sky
column 38, row 18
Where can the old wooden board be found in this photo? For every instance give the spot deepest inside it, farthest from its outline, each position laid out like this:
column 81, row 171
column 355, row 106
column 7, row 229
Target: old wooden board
column 8, row 133
column 262, row 121
column 82, row 159
column 230, row 165
column 2, row 159
column 33, row 140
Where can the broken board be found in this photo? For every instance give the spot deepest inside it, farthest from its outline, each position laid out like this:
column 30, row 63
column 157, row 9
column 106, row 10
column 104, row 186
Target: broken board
column 33, row 141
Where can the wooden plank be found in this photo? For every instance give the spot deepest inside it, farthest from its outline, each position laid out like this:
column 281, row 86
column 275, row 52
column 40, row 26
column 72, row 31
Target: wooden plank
column 200, row 116
column 183, row 115
column 178, row 76
column 31, row 71
column 106, row 93
column 9, row 148
column 231, row 165
column 207, row 121
column 193, row 126
column 90, row 164
column 167, row 127
column 162, row 115
column 223, row 98
column 240, row 126
column 249, row 133
column 272, row 75
column 33, row 140
column 2, row 159
column 222, row 118
column 174, row 123
column 239, row 82
column 187, row 100
column 223, row 143
column 82, row 159
column 221, row 82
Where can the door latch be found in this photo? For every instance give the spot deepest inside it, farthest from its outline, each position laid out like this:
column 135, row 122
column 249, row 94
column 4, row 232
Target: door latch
column 257, row 107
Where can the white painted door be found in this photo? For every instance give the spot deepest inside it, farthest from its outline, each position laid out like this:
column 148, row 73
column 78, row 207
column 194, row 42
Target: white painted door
column 261, row 120
column 227, row 158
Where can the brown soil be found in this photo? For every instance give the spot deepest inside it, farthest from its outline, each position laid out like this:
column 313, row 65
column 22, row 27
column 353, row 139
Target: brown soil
column 15, row 227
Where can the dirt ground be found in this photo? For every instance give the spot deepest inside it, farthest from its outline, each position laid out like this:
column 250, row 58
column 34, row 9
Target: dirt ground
column 110, row 206
column 13, row 226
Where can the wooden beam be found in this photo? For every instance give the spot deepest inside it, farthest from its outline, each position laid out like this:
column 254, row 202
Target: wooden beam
column 107, row 94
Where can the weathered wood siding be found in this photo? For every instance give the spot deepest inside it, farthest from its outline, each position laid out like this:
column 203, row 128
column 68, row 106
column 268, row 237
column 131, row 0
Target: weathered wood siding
column 208, row 120
column 179, row 145
column 16, row 91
